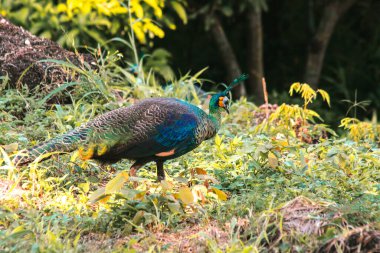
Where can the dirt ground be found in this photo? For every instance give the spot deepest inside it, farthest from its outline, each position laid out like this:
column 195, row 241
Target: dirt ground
column 20, row 55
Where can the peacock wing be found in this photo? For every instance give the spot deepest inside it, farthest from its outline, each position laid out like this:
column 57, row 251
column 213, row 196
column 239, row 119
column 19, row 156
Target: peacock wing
column 145, row 129
column 174, row 136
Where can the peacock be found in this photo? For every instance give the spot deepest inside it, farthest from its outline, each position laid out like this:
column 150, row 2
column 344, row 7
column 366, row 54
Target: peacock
column 152, row 130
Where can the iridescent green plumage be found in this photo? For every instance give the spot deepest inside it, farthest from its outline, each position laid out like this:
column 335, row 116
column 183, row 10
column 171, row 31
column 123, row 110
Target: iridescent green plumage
column 156, row 129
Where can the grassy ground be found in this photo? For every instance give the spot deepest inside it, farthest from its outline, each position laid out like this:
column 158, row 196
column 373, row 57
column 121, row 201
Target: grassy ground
column 254, row 188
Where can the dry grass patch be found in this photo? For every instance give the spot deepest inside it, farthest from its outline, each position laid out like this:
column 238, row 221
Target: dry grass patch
column 306, row 216
column 362, row 239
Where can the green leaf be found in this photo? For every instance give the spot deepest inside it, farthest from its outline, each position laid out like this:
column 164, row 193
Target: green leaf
column 95, row 35
column 21, row 15
column 175, row 207
column 138, row 218
column 55, row 91
column 19, row 232
column 227, row 11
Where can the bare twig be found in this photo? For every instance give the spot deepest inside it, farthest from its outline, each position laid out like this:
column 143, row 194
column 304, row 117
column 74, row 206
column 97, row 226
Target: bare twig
column 265, row 98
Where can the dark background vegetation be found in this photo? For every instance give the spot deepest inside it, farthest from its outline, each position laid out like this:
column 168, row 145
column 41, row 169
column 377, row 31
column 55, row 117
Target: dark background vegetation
column 351, row 62
column 330, row 44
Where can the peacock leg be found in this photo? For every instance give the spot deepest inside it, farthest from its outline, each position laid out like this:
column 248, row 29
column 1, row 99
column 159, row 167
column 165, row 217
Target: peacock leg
column 160, row 170
column 134, row 168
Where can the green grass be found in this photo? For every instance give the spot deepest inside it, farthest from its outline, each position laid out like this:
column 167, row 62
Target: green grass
column 66, row 205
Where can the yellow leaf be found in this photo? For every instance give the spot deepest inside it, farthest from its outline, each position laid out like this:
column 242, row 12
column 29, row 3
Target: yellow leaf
column 104, row 199
column 6, row 158
column 138, row 217
column 98, row 195
column 115, row 184
column 84, row 186
column 61, row 7
column 325, row 96
column 221, row 194
column 171, row 26
column 138, row 29
column 166, row 185
column 140, row 195
column 139, row 11
column 181, row 12
column 101, row 149
column 218, row 140
column 294, row 87
column 157, row 31
column 186, row 195
column 199, row 193
column 87, row 152
column 283, row 143
column 272, row 160
column 19, row 232
column 74, row 156
column 200, row 171
column 137, row 8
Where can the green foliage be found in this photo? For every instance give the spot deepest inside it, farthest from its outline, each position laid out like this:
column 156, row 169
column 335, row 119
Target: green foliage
column 96, row 21
column 240, row 180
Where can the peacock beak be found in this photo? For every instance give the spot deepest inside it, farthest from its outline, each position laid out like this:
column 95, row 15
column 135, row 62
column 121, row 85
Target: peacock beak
column 227, row 109
column 226, row 104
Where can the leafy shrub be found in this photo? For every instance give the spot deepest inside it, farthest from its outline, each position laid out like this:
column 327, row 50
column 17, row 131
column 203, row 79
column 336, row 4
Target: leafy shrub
column 361, row 130
column 296, row 121
column 96, row 21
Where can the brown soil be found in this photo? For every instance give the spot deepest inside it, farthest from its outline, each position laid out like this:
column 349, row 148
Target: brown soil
column 20, row 53
column 190, row 238
column 10, row 190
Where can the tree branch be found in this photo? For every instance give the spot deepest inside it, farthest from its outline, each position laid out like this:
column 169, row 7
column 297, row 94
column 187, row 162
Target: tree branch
column 255, row 54
column 317, row 48
column 227, row 55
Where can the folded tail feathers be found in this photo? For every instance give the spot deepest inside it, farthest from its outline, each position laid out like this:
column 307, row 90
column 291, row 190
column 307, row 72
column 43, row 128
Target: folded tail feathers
column 64, row 143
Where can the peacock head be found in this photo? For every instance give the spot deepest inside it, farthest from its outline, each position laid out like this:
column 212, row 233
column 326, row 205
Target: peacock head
column 221, row 100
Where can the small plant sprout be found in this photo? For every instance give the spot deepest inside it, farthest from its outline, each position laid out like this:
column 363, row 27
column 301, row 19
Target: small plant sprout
column 356, row 104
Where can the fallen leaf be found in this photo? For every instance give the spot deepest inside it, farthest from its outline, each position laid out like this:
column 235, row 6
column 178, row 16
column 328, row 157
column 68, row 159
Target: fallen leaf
column 115, row 184
column 10, row 147
column 186, row 195
column 272, row 160
column 221, row 194
column 201, row 171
